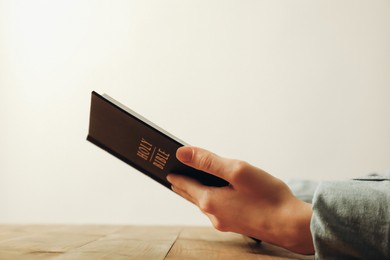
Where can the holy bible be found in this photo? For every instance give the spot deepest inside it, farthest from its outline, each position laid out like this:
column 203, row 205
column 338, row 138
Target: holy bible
column 138, row 142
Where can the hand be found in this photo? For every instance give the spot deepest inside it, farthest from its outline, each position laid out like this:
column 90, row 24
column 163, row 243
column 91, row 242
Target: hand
column 256, row 204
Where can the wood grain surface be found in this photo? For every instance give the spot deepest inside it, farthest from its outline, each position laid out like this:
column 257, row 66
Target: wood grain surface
column 130, row 242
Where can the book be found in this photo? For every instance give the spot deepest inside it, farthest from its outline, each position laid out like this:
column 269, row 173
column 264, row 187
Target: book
column 138, row 142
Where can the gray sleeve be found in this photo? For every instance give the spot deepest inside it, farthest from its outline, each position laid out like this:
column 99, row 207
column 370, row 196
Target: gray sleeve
column 303, row 189
column 351, row 219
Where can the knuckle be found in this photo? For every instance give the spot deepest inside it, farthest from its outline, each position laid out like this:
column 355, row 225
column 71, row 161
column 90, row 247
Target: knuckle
column 205, row 162
column 239, row 169
column 206, row 203
column 219, row 225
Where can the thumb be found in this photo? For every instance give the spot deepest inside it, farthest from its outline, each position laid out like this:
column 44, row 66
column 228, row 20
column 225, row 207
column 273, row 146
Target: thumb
column 203, row 160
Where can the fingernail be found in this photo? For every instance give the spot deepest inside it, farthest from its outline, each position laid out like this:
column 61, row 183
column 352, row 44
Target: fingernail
column 169, row 179
column 185, row 154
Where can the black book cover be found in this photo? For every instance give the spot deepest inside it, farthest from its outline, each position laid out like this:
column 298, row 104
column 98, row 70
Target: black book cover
column 138, row 142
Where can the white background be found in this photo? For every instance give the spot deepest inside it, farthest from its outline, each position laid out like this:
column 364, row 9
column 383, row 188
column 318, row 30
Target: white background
column 298, row 88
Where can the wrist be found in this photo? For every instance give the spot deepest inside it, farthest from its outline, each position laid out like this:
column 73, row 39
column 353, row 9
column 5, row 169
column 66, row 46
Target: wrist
column 298, row 234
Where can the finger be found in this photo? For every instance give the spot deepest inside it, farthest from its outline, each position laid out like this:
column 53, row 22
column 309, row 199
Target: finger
column 203, row 160
column 188, row 185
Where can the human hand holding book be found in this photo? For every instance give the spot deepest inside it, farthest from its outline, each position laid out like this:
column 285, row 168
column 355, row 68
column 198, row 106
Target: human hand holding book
column 255, row 204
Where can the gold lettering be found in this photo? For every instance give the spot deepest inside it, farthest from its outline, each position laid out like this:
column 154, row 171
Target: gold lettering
column 161, row 159
column 163, row 154
column 144, row 149
column 158, row 165
column 142, row 155
column 146, row 144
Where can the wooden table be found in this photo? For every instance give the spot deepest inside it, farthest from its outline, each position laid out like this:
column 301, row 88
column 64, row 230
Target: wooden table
column 130, row 242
